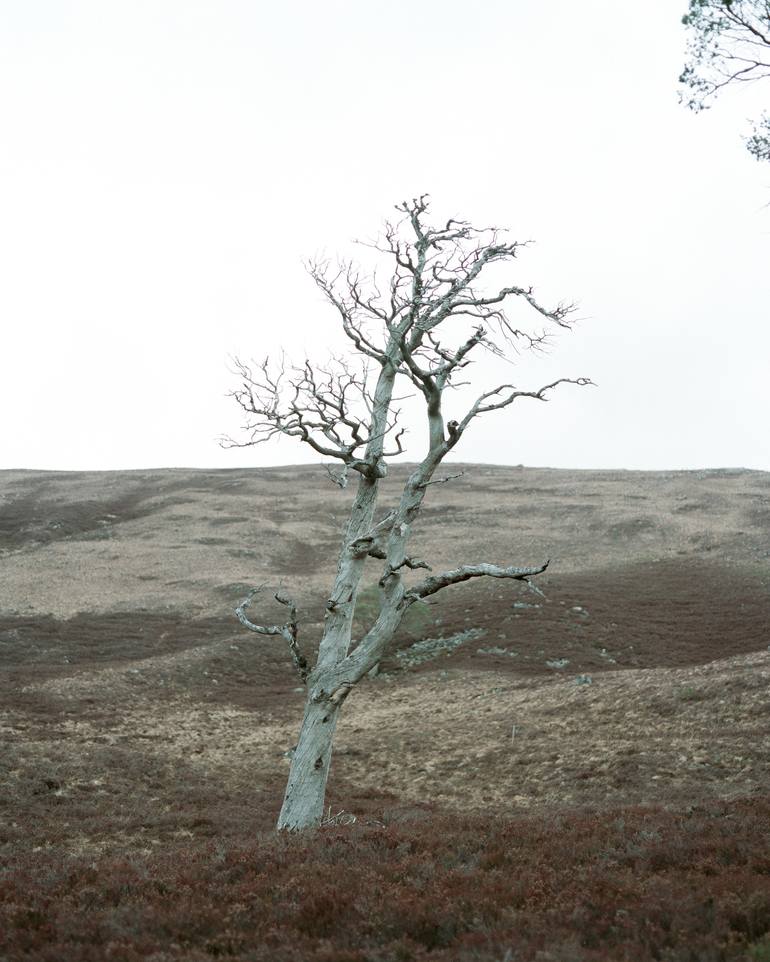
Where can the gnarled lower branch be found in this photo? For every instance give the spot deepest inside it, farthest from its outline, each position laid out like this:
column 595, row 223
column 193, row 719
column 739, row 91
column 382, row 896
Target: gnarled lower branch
column 430, row 586
column 287, row 631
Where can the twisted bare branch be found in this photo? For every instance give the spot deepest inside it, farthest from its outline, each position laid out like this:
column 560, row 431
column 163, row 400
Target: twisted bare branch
column 430, row 586
column 502, row 397
column 344, row 291
column 287, row 631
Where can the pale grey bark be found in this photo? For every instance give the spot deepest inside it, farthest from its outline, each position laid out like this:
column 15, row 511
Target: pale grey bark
column 303, row 804
column 347, row 413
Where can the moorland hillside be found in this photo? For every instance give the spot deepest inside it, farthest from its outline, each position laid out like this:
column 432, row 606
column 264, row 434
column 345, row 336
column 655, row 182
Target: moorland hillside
column 142, row 724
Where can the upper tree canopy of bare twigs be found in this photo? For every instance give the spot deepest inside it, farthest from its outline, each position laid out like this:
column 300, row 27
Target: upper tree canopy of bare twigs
column 728, row 45
column 423, row 325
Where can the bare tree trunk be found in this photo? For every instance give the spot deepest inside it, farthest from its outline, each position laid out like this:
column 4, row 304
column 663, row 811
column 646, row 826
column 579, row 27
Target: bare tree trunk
column 305, row 791
column 303, row 802
column 306, row 788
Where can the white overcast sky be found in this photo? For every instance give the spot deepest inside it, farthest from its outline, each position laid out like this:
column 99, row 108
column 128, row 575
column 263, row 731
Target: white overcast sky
column 165, row 166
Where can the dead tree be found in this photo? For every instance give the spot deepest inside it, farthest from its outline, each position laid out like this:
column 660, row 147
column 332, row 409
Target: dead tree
column 346, row 411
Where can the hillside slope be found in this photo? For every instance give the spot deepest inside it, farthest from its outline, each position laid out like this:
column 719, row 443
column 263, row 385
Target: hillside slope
column 642, row 676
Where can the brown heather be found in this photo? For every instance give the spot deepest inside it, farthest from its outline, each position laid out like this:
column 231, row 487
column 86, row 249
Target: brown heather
column 635, row 884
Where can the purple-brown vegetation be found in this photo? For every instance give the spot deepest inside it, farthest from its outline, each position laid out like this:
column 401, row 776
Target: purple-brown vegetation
column 636, row 884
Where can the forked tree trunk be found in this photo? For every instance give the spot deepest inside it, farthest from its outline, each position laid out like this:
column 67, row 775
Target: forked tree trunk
column 303, row 803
